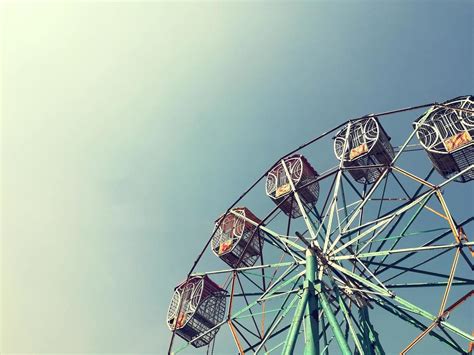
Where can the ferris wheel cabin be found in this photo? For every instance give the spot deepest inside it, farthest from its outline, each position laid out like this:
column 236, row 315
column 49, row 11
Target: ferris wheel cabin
column 365, row 146
column 237, row 241
column 197, row 306
column 304, row 178
column 446, row 133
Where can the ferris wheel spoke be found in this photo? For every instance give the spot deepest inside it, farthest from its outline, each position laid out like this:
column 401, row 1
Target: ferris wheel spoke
column 405, row 316
column 443, row 314
column 332, row 209
column 325, row 350
column 331, row 317
column 375, row 234
column 246, row 329
column 434, row 240
column 378, row 211
column 404, row 303
column 242, row 269
column 347, row 314
column 378, row 228
column 372, row 275
column 380, row 221
column 247, row 277
column 410, row 198
column 300, row 204
column 411, row 176
column 234, row 330
column 431, row 284
column 281, row 238
column 268, row 293
column 281, row 278
column 284, row 247
column 453, row 341
column 247, row 302
column 415, row 268
column 397, row 251
column 455, row 176
column 275, row 324
column 365, row 200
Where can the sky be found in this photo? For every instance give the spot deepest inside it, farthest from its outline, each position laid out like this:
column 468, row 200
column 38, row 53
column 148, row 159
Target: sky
column 128, row 127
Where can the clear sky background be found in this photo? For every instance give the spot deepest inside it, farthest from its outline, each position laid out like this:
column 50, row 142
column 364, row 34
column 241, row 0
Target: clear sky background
column 118, row 118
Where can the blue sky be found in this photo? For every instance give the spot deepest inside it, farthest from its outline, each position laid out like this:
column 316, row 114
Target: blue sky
column 120, row 121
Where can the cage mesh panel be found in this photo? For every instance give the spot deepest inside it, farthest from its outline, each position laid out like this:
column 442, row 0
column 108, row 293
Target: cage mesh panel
column 378, row 150
column 302, row 173
column 230, row 229
column 241, row 234
column 209, row 311
column 441, row 125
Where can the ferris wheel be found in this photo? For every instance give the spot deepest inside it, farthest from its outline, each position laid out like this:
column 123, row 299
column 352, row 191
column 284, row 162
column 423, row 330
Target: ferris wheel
column 353, row 243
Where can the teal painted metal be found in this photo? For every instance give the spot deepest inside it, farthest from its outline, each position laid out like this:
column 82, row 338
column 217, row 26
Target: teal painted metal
column 348, row 318
column 311, row 317
column 275, row 325
column 336, row 329
column 295, row 324
column 404, row 303
column 243, row 310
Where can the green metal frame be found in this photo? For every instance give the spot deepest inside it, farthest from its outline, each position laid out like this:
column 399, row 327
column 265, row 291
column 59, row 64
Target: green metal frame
column 339, row 263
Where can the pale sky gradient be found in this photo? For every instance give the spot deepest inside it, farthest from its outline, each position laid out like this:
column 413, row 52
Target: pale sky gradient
column 117, row 118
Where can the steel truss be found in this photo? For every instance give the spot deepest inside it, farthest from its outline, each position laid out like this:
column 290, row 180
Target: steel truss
column 355, row 252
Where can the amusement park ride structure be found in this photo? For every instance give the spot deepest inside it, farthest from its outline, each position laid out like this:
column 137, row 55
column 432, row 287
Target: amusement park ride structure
column 352, row 254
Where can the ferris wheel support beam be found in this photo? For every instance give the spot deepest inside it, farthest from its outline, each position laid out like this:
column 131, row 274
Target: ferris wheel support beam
column 295, row 324
column 399, row 220
column 336, row 329
column 405, row 316
column 404, row 250
column 311, row 320
column 443, row 313
column 404, row 303
column 308, row 308
column 430, row 242
column 346, row 313
column 275, row 325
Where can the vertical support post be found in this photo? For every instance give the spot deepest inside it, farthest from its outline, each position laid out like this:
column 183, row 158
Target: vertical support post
column 295, row 325
column 336, row 329
column 348, row 318
column 311, row 320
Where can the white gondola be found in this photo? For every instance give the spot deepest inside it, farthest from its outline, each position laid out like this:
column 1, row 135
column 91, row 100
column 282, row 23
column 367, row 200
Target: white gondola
column 365, row 151
column 447, row 135
column 304, row 178
column 197, row 306
column 234, row 231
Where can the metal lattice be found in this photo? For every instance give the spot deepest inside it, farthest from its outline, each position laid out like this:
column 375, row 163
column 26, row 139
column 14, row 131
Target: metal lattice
column 393, row 247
